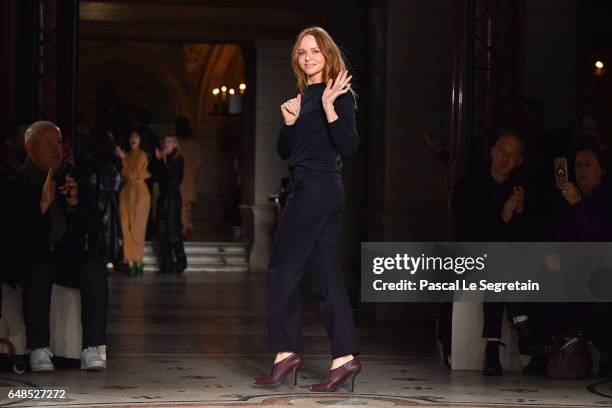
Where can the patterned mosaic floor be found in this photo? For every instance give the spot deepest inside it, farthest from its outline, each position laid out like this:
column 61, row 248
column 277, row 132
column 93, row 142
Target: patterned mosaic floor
column 199, row 340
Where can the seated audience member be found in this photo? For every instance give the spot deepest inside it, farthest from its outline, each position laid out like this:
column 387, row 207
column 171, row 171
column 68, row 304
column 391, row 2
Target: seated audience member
column 489, row 206
column 51, row 224
column 583, row 213
column 12, row 148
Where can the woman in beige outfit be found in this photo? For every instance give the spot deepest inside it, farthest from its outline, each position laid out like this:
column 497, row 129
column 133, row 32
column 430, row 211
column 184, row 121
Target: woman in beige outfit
column 134, row 203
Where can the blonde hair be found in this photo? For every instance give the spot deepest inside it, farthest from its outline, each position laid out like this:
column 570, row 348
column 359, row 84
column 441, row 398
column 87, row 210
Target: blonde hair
column 173, row 137
column 334, row 59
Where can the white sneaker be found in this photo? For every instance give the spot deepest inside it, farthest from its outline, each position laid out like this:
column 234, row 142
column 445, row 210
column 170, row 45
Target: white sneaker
column 92, row 360
column 40, row 361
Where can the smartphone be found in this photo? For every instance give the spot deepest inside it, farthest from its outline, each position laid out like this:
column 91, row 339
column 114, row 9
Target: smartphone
column 59, row 175
column 561, row 176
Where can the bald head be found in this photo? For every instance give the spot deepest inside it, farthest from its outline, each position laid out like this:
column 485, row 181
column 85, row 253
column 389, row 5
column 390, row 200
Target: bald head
column 43, row 143
column 509, row 137
column 37, row 128
column 506, row 154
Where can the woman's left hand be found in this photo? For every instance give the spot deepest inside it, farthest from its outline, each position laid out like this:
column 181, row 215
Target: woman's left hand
column 334, row 89
column 571, row 193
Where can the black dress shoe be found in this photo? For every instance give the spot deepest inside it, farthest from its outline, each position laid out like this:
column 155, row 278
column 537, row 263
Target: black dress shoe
column 492, row 367
column 528, row 344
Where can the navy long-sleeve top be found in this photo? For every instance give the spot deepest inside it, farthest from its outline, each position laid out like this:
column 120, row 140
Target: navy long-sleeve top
column 314, row 144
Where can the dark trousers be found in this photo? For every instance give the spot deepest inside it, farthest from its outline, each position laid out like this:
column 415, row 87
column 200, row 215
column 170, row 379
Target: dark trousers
column 85, row 273
column 307, row 241
column 494, row 316
column 170, row 232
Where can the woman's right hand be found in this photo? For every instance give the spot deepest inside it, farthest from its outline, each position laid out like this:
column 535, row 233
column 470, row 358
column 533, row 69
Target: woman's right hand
column 120, row 152
column 571, row 193
column 291, row 110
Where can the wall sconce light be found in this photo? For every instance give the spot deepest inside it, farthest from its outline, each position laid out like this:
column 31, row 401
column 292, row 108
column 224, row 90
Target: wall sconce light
column 599, row 68
column 230, row 100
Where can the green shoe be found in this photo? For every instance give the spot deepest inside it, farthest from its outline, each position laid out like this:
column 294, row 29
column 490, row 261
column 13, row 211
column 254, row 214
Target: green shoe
column 133, row 270
column 140, row 268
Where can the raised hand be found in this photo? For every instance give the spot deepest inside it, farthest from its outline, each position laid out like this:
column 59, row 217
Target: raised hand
column 335, row 88
column 71, row 190
column 571, row 193
column 519, row 197
column 291, row 110
column 48, row 193
column 120, row 152
column 158, row 154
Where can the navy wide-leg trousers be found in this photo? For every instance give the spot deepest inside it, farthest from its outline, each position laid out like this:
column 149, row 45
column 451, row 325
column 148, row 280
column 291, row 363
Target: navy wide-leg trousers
column 307, row 242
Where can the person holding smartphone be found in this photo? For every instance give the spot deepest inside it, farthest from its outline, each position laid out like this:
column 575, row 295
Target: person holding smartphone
column 583, row 213
column 52, row 221
column 319, row 130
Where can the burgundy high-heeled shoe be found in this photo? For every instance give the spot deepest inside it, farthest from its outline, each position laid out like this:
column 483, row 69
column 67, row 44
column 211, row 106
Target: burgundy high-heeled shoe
column 281, row 370
column 338, row 376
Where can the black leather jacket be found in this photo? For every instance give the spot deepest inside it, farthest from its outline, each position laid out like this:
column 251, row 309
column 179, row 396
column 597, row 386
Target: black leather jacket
column 170, row 174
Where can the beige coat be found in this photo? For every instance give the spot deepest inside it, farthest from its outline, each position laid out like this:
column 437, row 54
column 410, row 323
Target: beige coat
column 134, row 205
column 191, row 152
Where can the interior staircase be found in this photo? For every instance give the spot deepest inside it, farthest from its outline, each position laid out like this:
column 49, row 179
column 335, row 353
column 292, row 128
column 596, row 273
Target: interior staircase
column 205, row 257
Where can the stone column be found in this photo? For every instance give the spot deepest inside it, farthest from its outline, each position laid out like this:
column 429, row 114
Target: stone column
column 274, row 84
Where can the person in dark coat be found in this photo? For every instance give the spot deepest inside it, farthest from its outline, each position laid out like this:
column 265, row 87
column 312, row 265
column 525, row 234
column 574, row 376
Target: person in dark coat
column 104, row 170
column 490, row 206
column 582, row 212
column 170, row 167
column 53, row 220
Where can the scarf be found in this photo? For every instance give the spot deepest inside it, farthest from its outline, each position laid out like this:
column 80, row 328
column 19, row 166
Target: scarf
column 57, row 219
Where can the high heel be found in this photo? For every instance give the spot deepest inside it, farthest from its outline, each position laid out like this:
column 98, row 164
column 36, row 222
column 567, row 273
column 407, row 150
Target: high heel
column 353, row 377
column 281, row 370
column 338, row 376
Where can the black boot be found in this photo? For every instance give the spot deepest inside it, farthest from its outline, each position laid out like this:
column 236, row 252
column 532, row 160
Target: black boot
column 492, row 366
column 181, row 258
column 528, row 344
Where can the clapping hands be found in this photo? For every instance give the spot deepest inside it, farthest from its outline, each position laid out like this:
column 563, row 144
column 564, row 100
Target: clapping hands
column 514, row 204
column 119, row 152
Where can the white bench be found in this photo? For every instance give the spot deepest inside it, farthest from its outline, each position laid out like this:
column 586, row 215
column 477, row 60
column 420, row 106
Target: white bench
column 64, row 321
column 468, row 345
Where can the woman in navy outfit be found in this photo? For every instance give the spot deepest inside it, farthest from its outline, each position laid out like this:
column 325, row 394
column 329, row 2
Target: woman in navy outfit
column 319, row 130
